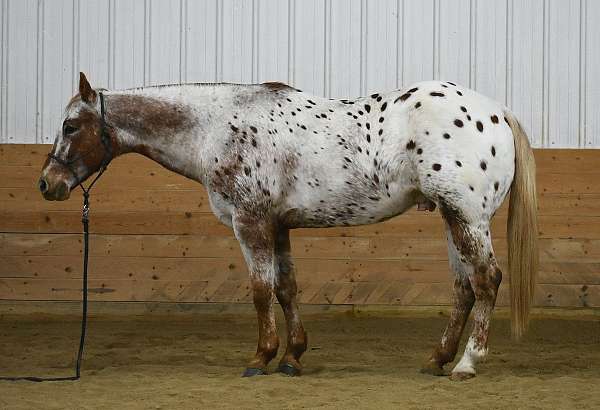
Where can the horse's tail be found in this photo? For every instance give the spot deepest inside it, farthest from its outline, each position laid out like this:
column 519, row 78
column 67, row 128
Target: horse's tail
column 522, row 230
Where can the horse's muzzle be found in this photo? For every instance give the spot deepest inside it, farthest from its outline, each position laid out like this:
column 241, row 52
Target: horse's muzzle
column 54, row 192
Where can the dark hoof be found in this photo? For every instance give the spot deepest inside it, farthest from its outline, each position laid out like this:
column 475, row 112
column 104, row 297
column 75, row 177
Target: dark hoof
column 288, row 370
column 253, row 371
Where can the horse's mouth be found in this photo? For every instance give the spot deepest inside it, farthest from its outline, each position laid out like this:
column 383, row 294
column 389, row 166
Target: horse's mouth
column 48, row 196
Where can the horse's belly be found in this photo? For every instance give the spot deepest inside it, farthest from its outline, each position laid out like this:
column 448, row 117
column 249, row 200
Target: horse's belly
column 335, row 211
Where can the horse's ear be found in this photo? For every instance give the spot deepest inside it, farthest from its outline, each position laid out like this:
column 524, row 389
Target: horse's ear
column 85, row 90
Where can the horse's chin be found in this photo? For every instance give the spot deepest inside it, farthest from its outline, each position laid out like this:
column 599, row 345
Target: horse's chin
column 57, row 195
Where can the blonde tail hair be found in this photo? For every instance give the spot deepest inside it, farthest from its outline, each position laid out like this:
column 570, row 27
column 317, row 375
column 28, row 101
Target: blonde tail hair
column 522, row 230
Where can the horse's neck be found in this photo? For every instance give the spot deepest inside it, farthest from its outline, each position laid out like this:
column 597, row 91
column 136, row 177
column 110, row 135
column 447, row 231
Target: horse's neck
column 167, row 125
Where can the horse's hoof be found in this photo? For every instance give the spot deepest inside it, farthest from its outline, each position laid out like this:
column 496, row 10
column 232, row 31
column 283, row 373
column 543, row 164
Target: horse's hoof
column 253, row 371
column 461, row 376
column 288, row 370
column 433, row 369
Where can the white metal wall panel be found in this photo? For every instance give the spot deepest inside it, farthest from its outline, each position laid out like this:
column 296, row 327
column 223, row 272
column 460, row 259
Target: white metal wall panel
column 418, row 40
column 562, row 114
column 272, row 56
column 454, row 41
column 538, row 56
column 57, row 68
column 238, row 47
column 128, row 63
column 308, row 44
column 489, row 63
column 590, row 119
column 21, row 82
column 528, row 49
column 201, row 28
column 343, row 75
column 164, row 39
column 93, row 45
column 380, row 61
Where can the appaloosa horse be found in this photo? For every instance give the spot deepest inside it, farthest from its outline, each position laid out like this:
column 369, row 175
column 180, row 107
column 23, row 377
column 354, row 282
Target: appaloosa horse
column 274, row 158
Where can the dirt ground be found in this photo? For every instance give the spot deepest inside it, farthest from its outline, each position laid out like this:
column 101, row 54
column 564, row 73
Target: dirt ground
column 354, row 361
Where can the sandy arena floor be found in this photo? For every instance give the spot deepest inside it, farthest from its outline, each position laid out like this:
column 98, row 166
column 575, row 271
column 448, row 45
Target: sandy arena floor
column 195, row 361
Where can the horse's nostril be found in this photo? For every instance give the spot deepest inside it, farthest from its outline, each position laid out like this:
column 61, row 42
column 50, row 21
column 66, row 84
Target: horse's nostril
column 43, row 185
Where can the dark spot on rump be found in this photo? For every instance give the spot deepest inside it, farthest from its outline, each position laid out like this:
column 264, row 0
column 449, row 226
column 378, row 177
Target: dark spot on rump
column 367, row 108
column 411, row 145
column 418, row 104
column 368, row 138
column 253, row 128
column 471, row 188
column 234, row 128
column 494, row 119
column 463, row 109
column 412, row 90
column 451, row 83
column 383, row 106
column 380, row 119
column 459, row 93
column 458, row 164
column 419, row 151
column 436, row 94
column 483, row 165
column 446, row 135
column 493, row 151
column 436, row 167
column 458, row 123
column 468, row 117
column 479, row 126
column 496, row 185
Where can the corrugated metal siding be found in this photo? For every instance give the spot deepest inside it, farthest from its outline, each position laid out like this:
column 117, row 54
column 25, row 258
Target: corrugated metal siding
column 540, row 57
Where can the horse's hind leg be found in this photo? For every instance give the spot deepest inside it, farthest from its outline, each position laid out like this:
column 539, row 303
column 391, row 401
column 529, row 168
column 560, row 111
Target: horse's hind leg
column 464, row 298
column 257, row 240
column 474, row 247
column 286, row 291
column 485, row 281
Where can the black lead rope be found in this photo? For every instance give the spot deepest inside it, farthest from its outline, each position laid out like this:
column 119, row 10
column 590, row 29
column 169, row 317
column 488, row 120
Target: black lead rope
column 86, row 234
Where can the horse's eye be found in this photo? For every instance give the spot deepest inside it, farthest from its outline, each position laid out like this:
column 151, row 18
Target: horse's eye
column 68, row 130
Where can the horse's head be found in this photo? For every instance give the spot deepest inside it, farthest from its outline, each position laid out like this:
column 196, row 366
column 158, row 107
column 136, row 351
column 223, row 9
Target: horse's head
column 80, row 148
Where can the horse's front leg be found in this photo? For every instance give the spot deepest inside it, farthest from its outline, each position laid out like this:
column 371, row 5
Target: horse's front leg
column 256, row 238
column 286, row 291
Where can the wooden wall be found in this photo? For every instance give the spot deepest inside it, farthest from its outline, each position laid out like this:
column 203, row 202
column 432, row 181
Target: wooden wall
column 155, row 239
